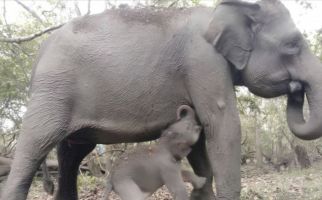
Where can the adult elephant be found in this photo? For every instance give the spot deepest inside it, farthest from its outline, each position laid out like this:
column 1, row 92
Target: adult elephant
column 119, row 77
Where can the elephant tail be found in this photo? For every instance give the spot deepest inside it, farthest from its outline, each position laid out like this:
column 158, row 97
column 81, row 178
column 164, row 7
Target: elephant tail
column 48, row 184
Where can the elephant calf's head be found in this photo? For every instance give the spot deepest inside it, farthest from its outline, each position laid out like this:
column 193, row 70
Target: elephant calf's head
column 183, row 134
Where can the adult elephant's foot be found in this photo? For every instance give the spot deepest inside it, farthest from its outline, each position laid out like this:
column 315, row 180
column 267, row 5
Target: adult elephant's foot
column 202, row 194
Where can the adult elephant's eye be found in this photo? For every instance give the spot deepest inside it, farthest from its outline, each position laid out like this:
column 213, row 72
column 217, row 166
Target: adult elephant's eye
column 291, row 47
column 292, row 44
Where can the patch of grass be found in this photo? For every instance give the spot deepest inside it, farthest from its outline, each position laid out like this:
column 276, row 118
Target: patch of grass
column 86, row 182
column 289, row 185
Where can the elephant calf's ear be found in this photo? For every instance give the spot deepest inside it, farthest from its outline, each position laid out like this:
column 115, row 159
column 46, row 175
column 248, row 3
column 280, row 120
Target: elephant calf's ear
column 185, row 111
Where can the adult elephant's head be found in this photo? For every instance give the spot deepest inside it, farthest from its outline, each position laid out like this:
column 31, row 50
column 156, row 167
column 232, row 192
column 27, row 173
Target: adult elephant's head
column 272, row 58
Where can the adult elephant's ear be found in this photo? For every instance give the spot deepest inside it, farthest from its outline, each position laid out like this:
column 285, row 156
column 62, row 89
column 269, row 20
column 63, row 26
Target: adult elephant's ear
column 230, row 30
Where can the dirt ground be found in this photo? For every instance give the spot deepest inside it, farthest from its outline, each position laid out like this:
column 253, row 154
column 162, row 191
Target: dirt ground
column 256, row 184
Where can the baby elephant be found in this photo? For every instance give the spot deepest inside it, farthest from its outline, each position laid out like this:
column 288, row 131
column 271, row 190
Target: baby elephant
column 140, row 173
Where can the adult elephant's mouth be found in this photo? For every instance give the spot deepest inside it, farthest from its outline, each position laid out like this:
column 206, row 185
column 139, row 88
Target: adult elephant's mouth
column 269, row 89
column 296, row 91
column 277, row 89
column 294, row 87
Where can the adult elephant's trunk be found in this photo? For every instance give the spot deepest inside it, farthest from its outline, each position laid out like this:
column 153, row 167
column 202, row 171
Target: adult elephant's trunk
column 312, row 81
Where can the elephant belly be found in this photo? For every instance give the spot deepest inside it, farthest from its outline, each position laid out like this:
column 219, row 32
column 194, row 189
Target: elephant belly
column 108, row 137
column 114, row 113
column 131, row 129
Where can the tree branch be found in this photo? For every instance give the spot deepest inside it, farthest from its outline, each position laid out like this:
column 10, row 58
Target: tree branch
column 88, row 7
column 30, row 37
column 108, row 5
column 5, row 18
column 173, row 3
column 33, row 13
column 4, row 12
column 77, row 10
column 290, row 141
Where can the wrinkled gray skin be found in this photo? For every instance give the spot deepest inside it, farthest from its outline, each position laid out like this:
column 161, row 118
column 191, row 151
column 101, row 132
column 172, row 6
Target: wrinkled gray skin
column 139, row 174
column 119, row 77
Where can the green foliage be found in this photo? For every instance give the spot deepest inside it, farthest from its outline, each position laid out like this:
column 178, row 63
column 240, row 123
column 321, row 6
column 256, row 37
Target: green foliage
column 16, row 60
column 316, row 44
column 86, row 182
column 195, row 2
column 304, row 3
column 15, row 66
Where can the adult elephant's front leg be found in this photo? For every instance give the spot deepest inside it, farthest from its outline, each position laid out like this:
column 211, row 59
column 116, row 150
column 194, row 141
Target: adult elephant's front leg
column 223, row 147
column 213, row 97
column 222, row 132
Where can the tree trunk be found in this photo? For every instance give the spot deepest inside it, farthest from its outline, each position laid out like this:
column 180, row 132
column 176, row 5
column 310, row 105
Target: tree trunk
column 302, row 157
column 259, row 156
column 108, row 159
column 279, row 149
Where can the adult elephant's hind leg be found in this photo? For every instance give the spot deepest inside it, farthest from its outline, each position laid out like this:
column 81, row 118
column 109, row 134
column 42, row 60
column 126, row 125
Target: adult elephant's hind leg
column 43, row 126
column 200, row 163
column 70, row 155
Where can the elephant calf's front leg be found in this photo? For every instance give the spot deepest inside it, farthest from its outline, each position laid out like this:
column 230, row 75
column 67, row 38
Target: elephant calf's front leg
column 199, row 162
